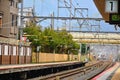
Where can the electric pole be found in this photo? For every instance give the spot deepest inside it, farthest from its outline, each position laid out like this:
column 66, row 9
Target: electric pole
column 21, row 32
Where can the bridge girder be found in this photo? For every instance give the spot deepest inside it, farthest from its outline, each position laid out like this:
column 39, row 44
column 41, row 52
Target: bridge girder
column 89, row 37
column 101, row 41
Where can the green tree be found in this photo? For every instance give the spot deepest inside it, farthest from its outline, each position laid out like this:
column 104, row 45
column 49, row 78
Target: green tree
column 50, row 40
column 33, row 34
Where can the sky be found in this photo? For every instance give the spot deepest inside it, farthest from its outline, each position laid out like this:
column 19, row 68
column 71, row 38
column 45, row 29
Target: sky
column 47, row 7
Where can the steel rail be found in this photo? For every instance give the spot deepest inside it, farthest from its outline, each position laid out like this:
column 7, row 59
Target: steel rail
column 81, row 71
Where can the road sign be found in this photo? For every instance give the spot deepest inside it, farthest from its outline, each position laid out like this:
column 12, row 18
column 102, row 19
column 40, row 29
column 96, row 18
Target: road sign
column 114, row 18
column 38, row 48
column 111, row 6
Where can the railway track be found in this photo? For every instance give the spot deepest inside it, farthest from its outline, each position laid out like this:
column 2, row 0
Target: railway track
column 84, row 73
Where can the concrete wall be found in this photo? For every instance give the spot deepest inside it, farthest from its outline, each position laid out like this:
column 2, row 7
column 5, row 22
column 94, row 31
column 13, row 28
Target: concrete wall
column 51, row 57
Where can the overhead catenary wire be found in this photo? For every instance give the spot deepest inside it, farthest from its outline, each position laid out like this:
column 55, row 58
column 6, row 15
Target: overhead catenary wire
column 66, row 4
column 86, row 22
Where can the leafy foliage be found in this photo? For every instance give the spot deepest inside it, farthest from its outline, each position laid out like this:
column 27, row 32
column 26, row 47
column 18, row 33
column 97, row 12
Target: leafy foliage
column 51, row 41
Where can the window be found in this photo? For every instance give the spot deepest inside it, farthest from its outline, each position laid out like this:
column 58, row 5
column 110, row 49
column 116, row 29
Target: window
column 24, row 51
column 28, row 51
column 10, row 48
column 21, row 52
column 16, row 5
column 0, row 22
column 14, row 50
column 12, row 20
column 6, row 50
column 0, row 50
column 16, row 20
column 12, row 3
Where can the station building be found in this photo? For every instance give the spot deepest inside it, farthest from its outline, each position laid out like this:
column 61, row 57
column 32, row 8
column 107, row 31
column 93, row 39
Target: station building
column 8, row 18
column 10, row 50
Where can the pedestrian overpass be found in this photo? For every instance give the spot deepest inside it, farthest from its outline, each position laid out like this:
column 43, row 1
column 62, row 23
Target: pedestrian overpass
column 96, row 37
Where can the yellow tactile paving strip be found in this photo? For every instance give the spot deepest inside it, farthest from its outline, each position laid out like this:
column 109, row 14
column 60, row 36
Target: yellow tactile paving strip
column 116, row 76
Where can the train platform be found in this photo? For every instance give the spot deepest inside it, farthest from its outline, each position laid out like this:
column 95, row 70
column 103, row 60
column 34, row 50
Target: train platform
column 109, row 74
column 116, row 75
column 4, row 69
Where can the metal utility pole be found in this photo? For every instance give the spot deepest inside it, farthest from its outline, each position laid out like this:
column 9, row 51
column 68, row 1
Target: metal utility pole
column 58, row 9
column 52, row 21
column 82, row 22
column 70, row 15
column 66, row 7
column 21, row 32
column 34, row 11
column 21, row 27
column 33, row 7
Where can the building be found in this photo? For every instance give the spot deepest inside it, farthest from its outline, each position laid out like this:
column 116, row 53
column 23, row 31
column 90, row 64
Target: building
column 28, row 11
column 11, row 52
column 8, row 18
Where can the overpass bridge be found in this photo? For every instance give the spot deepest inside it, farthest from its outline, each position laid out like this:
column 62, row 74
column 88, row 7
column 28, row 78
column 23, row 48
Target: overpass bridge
column 96, row 37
